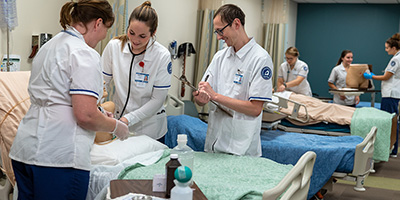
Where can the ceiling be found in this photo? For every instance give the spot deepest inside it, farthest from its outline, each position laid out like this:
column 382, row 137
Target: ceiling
column 350, row 1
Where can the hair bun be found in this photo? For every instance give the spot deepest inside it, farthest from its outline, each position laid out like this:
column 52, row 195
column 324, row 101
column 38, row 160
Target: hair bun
column 147, row 3
column 396, row 36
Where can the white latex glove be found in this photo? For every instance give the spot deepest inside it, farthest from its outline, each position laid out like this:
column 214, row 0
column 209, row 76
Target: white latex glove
column 121, row 130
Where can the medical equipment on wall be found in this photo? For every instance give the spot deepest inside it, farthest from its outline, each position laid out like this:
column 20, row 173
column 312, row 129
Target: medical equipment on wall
column 185, row 49
column 173, row 49
column 38, row 40
column 14, row 63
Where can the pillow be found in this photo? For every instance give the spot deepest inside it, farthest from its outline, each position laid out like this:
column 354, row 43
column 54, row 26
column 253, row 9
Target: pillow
column 118, row 151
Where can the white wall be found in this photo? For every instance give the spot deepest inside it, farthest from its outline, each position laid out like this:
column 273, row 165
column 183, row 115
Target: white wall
column 34, row 17
column 253, row 20
column 177, row 21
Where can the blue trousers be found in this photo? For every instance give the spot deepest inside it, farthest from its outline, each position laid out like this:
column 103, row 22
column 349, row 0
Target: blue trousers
column 48, row 183
column 391, row 105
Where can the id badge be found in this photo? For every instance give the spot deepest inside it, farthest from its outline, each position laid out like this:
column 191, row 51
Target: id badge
column 238, row 79
column 141, row 79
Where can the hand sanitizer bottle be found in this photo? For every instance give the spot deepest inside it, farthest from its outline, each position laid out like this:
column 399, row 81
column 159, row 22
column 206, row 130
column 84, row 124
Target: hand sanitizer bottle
column 185, row 153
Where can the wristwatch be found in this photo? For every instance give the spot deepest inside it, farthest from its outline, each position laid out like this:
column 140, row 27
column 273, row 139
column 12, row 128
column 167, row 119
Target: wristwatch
column 285, row 84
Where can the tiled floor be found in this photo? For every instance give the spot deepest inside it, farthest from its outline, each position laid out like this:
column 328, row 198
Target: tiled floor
column 384, row 184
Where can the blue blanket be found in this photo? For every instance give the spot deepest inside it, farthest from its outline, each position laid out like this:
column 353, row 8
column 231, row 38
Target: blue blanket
column 333, row 153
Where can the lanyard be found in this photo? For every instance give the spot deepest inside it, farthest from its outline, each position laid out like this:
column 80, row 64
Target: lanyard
column 70, row 33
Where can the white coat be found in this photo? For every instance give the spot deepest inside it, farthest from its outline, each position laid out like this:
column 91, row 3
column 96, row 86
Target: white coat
column 244, row 75
column 299, row 69
column 151, row 71
column 49, row 135
column 391, row 87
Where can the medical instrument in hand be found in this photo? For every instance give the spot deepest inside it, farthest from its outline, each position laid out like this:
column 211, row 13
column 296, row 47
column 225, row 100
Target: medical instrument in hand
column 186, row 82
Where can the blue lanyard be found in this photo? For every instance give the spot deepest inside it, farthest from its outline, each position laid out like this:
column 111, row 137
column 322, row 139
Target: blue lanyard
column 68, row 32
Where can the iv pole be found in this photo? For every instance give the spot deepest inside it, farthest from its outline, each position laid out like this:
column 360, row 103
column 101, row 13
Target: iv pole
column 8, row 64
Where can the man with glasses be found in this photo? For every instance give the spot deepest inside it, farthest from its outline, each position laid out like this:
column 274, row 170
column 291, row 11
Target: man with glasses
column 238, row 79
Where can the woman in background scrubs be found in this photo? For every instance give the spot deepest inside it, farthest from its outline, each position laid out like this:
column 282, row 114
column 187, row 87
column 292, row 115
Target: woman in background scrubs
column 390, row 86
column 141, row 69
column 337, row 79
column 292, row 75
column 51, row 151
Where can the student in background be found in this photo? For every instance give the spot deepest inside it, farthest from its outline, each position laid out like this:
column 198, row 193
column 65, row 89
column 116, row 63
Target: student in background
column 292, row 75
column 239, row 79
column 51, row 151
column 390, row 87
column 141, row 69
column 337, row 79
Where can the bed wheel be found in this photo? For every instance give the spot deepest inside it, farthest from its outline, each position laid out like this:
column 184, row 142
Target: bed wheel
column 360, row 184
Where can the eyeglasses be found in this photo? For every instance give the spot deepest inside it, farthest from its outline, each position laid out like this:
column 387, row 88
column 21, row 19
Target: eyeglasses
column 220, row 31
column 289, row 58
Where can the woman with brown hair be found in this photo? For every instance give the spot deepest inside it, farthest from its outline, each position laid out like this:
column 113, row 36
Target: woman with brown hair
column 337, row 79
column 390, row 82
column 141, row 69
column 51, row 151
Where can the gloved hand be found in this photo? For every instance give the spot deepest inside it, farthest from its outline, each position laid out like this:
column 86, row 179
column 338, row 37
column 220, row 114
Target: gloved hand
column 108, row 114
column 121, row 130
column 368, row 75
column 105, row 112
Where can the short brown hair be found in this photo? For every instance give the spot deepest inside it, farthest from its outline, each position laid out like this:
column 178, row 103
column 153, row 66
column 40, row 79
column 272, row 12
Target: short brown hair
column 229, row 12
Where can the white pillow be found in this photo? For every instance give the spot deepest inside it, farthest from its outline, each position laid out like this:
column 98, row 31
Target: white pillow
column 118, row 151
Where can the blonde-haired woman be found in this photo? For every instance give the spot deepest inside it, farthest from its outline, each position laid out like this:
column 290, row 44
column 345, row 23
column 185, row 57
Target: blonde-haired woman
column 51, row 151
column 141, row 69
column 292, row 74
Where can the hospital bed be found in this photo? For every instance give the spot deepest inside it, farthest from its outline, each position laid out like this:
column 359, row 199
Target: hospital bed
column 305, row 114
column 334, row 154
column 14, row 103
column 109, row 159
column 238, row 177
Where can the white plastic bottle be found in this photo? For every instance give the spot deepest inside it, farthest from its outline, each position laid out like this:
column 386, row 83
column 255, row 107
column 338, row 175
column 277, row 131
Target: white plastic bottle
column 185, row 153
column 182, row 191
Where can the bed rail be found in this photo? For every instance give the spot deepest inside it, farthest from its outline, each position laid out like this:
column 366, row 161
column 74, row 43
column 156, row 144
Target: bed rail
column 363, row 163
column 295, row 185
column 283, row 103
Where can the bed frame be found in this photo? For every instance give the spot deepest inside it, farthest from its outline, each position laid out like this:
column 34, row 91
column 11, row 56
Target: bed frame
column 272, row 121
column 363, row 163
column 296, row 183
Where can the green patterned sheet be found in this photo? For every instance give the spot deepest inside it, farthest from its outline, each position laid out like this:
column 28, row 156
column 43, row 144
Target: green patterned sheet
column 364, row 119
column 222, row 176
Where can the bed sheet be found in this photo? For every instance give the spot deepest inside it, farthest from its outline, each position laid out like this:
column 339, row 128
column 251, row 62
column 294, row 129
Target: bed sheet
column 101, row 175
column 237, row 177
column 333, row 153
